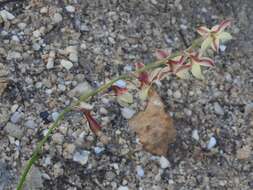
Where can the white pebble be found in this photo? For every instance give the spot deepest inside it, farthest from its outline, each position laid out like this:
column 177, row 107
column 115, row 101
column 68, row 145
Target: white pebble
column 43, row 10
column 140, row 171
column 66, row 64
column 218, row 109
column 127, row 113
column 164, row 163
column 81, row 157
column 55, row 115
column 98, row 150
column 120, row 83
column 223, row 48
column 212, row 142
column 70, row 8
column 6, row 15
column 123, row 188
column 36, row 33
column 57, row 18
column 195, row 134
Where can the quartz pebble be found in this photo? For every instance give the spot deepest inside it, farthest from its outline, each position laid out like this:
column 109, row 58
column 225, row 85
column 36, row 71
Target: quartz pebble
column 127, row 113
column 218, row 109
column 123, row 188
column 164, row 163
column 50, row 61
column 140, row 171
column 195, row 135
column 70, row 8
column 81, row 157
column 66, row 64
column 212, row 142
column 14, row 130
column 30, row 124
column 6, row 15
column 57, row 18
column 16, row 117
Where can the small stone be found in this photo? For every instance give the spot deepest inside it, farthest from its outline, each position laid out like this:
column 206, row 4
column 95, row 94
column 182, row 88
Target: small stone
column 55, row 115
column 164, row 163
column 66, row 64
column 83, row 46
column 248, row 109
column 50, row 61
column 68, row 150
column 177, row 94
column 223, row 48
column 218, row 109
column 84, row 28
column 98, row 150
column 30, row 124
column 36, row 46
column 70, row 8
column 15, row 38
column 14, row 130
column 243, row 153
column 58, row 138
column 120, row 83
column 43, row 10
column 16, row 117
column 195, row 134
column 57, row 18
column 212, row 142
column 6, row 15
column 81, row 88
column 22, row 25
column 36, row 33
column 123, row 188
column 81, row 157
column 13, row 55
column 73, row 57
column 14, row 108
column 140, row 171
column 61, row 87
column 127, row 113
column 34, row 179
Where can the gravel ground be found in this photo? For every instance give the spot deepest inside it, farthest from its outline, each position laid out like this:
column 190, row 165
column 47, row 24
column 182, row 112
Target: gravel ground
column 50, row 47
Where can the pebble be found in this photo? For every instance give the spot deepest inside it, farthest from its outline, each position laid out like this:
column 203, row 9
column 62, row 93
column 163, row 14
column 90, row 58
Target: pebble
column 62, row 87
column 164, row 163
column 70, row 8
column 43, row 10
column 140, row 171
column 248, row 108
column 57, row 18
column 81, row 157
column 84, row 28
column 223, row 48
column 13, row 55
column 58, row 138
column 34, row 180
column 14, row 130
column 127, row 113
column 22, row 25
column 73, row 57
column 98, row 150
column 123, row 188
column 120, row 83
column 36, row 33
column 66, row 64
column 244, row 153
column 212, row 142
column 80, row 89
column 218, row 109
column 195, row 134
column 55, row 115
column 50, row 61
column 177, row 94
column 6, row 15
column 30, row 124
column 16, row 117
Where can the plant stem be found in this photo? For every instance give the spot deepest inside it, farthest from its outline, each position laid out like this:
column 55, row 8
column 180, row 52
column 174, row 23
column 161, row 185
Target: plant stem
column 84, row 98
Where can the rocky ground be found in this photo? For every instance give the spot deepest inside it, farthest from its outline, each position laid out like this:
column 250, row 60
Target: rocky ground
column 48, row 48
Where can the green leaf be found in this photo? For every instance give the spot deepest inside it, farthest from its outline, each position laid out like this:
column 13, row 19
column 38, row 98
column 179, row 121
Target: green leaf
column 205, row 44
column 196, row 71
column 125, row 99
column 143, row 93
column 225, row 36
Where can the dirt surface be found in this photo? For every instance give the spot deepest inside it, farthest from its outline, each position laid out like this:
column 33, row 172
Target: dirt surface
column 101, row 39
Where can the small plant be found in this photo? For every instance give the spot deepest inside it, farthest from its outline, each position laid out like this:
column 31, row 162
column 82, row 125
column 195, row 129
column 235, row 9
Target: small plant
column 183, row 64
